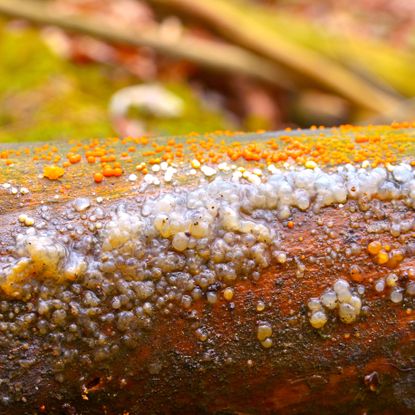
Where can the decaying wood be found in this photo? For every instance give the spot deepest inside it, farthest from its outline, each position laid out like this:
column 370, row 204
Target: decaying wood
column 360, row 368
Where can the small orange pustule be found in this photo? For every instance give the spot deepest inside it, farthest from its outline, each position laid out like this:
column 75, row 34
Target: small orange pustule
column 53, row 172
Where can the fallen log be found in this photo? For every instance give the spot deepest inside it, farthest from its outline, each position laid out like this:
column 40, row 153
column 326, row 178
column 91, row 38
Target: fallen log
column 229, row 273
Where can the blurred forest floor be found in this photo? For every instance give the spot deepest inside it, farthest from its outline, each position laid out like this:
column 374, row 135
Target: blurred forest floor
column 130, row 67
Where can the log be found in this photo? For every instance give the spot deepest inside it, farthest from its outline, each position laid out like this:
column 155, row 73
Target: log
column 231, row 273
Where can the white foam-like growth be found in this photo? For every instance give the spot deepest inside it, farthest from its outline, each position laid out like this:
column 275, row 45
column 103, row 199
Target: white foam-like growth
column 228, row 223
column 122, row 228
column 38, row 254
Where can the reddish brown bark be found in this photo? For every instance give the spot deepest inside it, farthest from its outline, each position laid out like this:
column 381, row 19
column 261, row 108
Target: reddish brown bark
column 361, row 368
column 366, row 367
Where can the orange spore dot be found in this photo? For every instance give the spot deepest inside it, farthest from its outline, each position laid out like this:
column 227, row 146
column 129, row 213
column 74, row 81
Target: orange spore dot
column 98, row 177
column 53, row 172
column 117, row 172
column 374, row 247
column 74, row 158
column 382, row 257
column 108, row 171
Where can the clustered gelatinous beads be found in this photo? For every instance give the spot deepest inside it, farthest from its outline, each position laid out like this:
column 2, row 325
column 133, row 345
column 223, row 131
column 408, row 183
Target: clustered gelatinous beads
column 101, row 279
column 264, row 333
column 340, row 299
column 393, row 286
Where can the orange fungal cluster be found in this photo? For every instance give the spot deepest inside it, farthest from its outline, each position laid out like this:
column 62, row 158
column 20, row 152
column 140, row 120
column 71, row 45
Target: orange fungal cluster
column 113, row 157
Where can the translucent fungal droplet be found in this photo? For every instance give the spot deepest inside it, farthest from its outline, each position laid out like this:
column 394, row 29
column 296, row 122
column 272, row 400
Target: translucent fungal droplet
column 410, row 288
column 264, row 330
column 347, row 313
column 180, row 241
column 267, row 343
column 329, row 300
column 81, row 204
column 260, row 306
column 318, row 319
column 314, row 304
column 211, row 297
column 391, row 280
column 380, row 285
column 228, row 294
column 396, row 296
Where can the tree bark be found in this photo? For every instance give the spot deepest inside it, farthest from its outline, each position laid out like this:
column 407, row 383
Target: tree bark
column 171, row 367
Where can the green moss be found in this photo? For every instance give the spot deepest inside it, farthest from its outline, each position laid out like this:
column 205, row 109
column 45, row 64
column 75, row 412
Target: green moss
column 44, row 97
